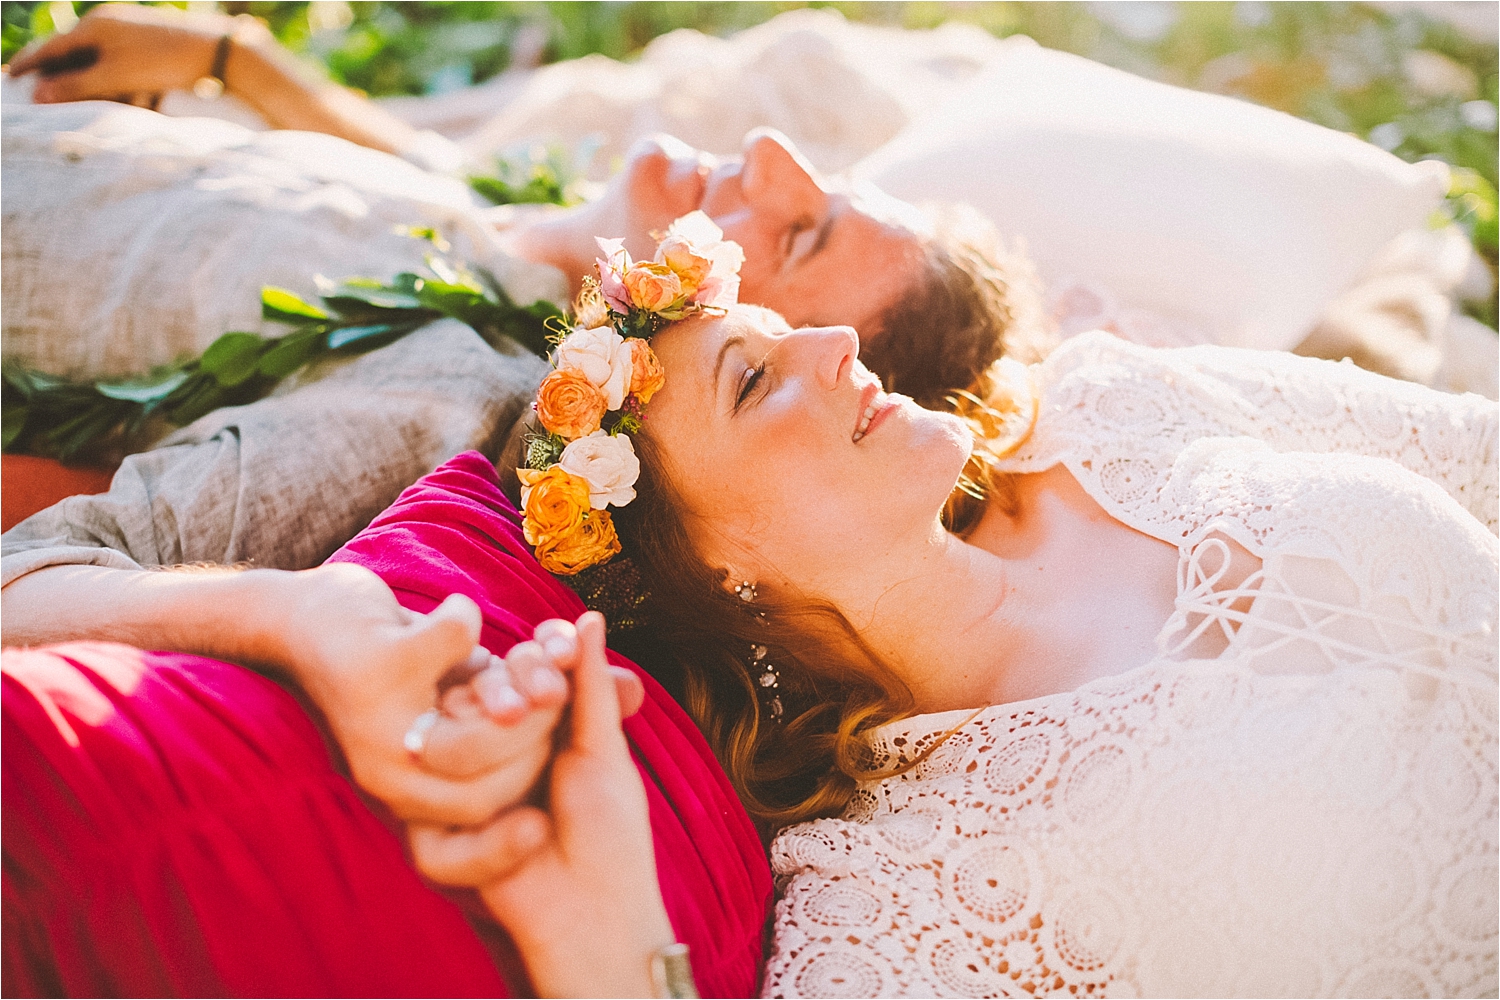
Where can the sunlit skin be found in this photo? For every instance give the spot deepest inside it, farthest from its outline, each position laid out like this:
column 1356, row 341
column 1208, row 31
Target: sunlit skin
column 759, row 422
column 816, row 251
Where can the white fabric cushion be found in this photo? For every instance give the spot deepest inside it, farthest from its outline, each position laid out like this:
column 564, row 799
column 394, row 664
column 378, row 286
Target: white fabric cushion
column 839, row 90
column 132, row 238
column 1215, row 214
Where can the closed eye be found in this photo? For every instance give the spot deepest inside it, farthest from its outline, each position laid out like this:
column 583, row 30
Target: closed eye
column 748, row 382
column 796, row 229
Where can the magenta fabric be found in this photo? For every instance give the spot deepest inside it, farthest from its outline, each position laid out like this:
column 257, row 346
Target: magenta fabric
column 454, row 531
column 178, row 826
column 175, row 826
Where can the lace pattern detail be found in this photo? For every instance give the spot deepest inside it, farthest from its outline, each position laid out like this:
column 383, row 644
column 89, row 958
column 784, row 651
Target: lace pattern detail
column 1191, row 830
column 1119, row 416
column 1313, row 812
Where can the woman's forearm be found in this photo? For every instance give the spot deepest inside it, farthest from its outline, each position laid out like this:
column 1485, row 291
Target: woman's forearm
column 227, row 614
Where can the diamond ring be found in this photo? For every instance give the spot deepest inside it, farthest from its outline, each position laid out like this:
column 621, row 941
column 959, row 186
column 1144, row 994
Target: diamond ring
column 415, row 739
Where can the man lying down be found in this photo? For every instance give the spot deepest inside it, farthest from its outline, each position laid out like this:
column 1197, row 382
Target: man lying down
column 286, row 480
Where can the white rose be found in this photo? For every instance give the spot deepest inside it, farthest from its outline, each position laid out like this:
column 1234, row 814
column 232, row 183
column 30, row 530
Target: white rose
column 608, row 463
column 598, row 354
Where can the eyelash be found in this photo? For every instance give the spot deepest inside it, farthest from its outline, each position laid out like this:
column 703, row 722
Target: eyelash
column 797, row 229
column 749, row 384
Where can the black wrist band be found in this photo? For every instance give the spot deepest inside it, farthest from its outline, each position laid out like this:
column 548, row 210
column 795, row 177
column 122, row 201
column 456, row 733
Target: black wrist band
column 221, row 56
column 211, row 86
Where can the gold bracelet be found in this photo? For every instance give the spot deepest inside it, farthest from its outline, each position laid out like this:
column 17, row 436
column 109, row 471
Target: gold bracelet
column 672, row 974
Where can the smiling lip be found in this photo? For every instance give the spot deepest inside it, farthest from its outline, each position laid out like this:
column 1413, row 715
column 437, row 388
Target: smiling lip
column 874, row 405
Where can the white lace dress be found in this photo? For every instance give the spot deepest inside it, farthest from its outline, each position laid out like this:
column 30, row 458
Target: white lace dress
column 1313, row 812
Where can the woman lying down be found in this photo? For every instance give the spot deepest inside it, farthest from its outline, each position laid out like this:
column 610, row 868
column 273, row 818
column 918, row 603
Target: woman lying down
column 1164, row 672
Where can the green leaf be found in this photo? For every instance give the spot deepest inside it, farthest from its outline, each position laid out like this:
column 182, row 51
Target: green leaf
column 287, row 307
column 289, row 354
column 381, row 298
column 13, row 415
column 199, row 396
column 232, row 358
column 30, row 383
column 354, row 334
column 143, row 390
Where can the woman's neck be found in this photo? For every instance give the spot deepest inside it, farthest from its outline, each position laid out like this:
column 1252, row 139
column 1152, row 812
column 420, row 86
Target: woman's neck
column 939, row 618
column 1038, row 600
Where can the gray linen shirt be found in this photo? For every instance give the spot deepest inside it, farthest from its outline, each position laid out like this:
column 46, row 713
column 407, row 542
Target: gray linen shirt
column 285, row 481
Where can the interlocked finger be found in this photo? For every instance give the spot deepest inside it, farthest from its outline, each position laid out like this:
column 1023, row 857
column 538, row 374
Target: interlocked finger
column 534, row 674
column 463, row 749
column 428, row 798
column 478, row 659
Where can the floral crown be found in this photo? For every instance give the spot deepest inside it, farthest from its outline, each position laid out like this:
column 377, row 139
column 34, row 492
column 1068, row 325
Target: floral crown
column 604, row 373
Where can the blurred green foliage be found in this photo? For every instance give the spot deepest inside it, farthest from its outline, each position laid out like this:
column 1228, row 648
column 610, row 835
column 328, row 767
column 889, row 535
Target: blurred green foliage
column 1401, row 78
column 544, row 176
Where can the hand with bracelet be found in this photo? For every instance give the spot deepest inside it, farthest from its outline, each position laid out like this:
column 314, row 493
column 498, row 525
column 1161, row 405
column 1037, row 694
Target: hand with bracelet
column 135, row 54
column 123, row 52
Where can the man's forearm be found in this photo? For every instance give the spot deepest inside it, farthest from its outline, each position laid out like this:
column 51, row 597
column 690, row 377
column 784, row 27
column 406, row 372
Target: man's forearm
column 267, row 77
column 218, row 612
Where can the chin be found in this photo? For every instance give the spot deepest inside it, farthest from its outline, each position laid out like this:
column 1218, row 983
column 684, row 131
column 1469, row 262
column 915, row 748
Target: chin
column 939, row 447
column 661, row 181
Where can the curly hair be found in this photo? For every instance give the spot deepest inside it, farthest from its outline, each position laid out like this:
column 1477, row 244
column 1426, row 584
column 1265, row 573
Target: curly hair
column 973, row 300
column 834, row 687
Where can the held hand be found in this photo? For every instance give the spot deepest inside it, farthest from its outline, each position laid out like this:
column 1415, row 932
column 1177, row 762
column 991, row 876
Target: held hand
column 119, row 51
column 585, row 909
column 373, row 668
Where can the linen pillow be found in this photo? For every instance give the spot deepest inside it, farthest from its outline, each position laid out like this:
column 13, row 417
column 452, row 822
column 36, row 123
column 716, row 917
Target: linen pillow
column 1210, row 212
column 132, row 237
column 454, row 531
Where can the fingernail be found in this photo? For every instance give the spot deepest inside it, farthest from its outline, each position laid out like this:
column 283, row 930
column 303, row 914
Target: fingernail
column 558, row 648
column 501, row 699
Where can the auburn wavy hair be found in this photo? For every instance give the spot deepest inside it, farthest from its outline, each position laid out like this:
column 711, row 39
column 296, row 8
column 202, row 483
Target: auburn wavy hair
column 834, row 687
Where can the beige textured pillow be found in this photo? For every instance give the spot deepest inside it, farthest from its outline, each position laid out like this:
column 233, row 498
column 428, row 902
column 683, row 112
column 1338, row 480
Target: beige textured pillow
column 131, row 238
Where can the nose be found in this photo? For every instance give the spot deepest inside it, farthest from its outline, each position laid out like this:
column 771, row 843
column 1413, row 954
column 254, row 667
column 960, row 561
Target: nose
column 661, row 146
column 829, row 351
column 776, row 175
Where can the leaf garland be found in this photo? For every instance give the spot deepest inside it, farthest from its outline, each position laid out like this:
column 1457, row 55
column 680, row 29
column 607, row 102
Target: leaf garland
column 542, row 175
column 63, row 418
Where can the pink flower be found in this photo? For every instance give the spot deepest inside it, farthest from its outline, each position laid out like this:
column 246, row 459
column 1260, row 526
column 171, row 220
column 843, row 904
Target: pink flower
column 612, row 267
column 723, row 292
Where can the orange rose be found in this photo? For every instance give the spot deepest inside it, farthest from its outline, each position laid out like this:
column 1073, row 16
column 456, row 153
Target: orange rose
column 653, row 287
column 646, row 376
column 555, row 503
column 568, row 404
column 592, row 543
